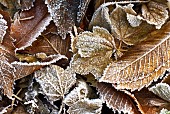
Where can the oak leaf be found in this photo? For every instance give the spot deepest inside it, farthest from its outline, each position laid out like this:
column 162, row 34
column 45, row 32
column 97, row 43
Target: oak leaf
column 155, row 13
column 117, row 100
column 142, row 64
column 86, row 106
column 55, row 81
column 92, row 49
column 30, row 25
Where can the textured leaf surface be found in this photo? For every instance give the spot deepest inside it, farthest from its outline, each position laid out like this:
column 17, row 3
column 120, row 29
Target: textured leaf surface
column 149, row 103
column 117, row 100
column 146, row 62
column 26, row 4
column 154, row 13
column 3, row 28
column 78, row 93
column 123, row 31
column 93, row 50
column 86, row 106
column 162, row 90
column 55, row 81
column 101, row 18
column 26, row 31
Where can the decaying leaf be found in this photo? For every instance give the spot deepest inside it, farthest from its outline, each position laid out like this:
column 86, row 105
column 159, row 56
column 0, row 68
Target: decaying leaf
column 122, row 30
column 93, row 50
column 86, row 106
column 25, row 4
column 3, row 28
column 146, row 62
column 78, row 93
column 101, row 18
column 30, row 25
column 148, row 103
column 55, row 81
column 154, row 13
column 162, row 90
column 117, row 100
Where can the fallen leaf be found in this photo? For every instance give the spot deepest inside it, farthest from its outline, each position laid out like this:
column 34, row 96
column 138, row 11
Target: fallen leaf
column 86, row 106
column 164, row 111
column 55, row 81
column 154, row 13
column 25, row 4
column 162, row 90
column 117, row 100
column 3, row 26
column 147, row 102
column 122, row 30
column 101, row 18
column 142, row 64
column 30, row 25
column 92, row 49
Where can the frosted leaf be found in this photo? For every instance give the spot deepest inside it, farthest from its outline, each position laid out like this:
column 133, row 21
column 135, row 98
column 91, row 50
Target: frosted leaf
column 94, row 65
column 63, row 13
column 80, row 92
column 164, row 111
column 55, row 81
column 123, row 31
column 154, row 13
column 3, row 28
column 92, row 49
column 101, row 18
column 162, row 90
column 25, row 4
column 86, row 106
column 4, row 2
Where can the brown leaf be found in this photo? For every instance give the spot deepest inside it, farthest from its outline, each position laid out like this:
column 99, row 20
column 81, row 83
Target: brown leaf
column 25, row 31
column 86, row 106
column 25, row 4
column 148, row 103
column 92, row 49
column 55, row 81
column 50, row 44
column 142, row 64
column 154, row 13
column 117, row 100
column 122, row 30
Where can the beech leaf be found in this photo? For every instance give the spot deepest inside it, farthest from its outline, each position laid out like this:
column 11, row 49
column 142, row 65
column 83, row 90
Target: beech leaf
column 162, row 90
column 117, row 100
column 154, row 13
column 145, row 63
column 55, row 81
column 122, row 30
column 26, row 31
column 86, row 106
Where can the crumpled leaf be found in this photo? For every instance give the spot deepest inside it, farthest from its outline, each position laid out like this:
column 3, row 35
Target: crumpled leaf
column 86, row 106
column 78, row 93
column 142, row 64
column 149, row 103
column 117, row 100
column 93, row 50
column 25, row 4
column 101, row 18
column 154, row 13
column 122, row 30
column 55, row 81
column 162, row 90
column 3, row 28
column 26, row 31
